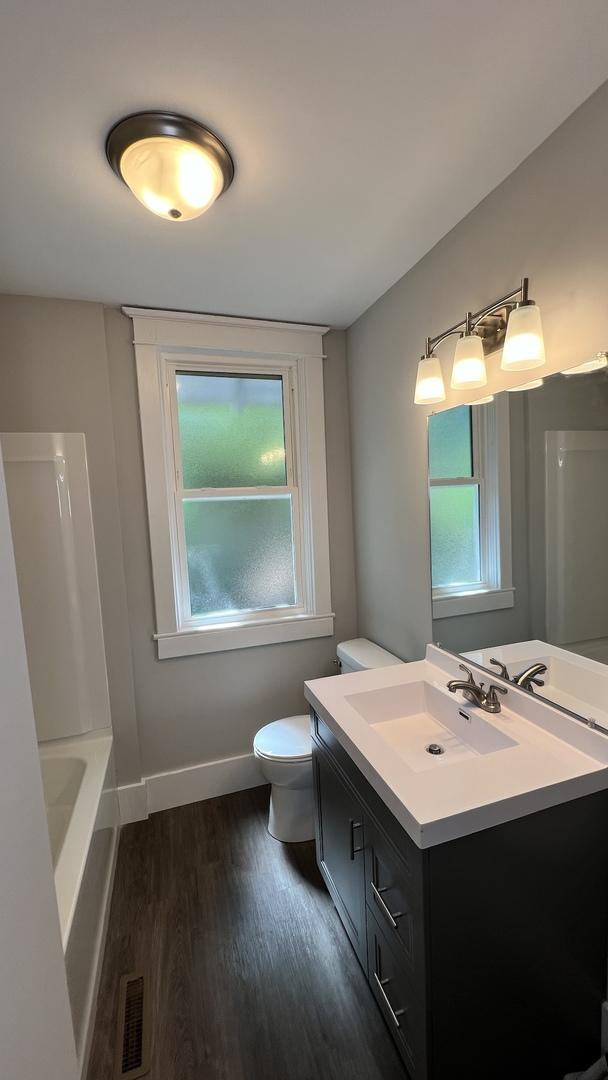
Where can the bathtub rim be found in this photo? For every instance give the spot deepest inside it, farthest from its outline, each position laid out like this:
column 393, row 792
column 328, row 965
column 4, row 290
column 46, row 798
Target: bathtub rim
column 94, row 749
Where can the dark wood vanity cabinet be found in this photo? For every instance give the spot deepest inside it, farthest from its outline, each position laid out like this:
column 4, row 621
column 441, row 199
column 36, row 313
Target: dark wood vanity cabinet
column 340, row 851
column 487, row 954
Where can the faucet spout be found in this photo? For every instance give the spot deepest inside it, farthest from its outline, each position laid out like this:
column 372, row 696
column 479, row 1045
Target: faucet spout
column 486, row 700
column 526, row 678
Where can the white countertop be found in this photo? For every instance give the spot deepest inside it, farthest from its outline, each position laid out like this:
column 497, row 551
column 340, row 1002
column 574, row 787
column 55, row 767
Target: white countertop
column 554, row 757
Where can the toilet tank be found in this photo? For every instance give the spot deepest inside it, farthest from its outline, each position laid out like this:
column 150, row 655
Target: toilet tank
column 359, row 654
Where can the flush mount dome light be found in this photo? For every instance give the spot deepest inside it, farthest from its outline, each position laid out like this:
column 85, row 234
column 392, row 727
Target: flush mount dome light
column 174, row 166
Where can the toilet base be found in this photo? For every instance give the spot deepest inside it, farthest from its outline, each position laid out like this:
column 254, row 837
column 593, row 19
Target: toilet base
column 291, row 817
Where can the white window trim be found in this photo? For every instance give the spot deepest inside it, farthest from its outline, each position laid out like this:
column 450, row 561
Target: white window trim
column 165, row 340
column 491, row 442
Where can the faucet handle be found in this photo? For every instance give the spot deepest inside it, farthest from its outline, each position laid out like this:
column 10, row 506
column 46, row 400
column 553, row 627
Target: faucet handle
column 493, row 690
column 468, row 673
column 504, row 674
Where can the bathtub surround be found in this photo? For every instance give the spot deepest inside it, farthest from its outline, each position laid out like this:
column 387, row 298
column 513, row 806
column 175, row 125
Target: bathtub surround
column 35, row 1023
column 547, row 219
column 186, row 725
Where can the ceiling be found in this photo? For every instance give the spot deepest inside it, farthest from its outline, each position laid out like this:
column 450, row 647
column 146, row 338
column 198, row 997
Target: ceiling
column 361, row 131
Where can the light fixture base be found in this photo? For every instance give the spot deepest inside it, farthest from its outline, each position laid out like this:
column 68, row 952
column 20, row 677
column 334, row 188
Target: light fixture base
column 148, row 125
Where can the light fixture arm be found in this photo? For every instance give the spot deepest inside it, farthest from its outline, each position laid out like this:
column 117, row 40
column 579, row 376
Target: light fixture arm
column 508, row 300
column 516, row 298
column 432, row 343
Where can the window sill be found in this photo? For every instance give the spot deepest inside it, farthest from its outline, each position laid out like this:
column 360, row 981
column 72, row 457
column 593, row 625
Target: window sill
column 209, row 639
column 469, row 603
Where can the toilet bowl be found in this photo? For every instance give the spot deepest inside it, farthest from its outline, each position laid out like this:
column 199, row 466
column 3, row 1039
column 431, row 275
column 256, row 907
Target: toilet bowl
column 283, row 750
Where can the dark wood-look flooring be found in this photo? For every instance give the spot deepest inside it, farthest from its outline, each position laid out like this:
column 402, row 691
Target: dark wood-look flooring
column 251, row 974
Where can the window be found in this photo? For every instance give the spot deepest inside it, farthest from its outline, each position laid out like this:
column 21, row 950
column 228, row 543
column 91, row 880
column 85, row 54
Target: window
column 234, row 454
column 469, row 495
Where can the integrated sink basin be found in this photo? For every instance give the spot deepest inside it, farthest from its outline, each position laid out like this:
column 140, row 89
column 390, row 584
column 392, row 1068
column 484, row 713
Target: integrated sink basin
column 426, row 726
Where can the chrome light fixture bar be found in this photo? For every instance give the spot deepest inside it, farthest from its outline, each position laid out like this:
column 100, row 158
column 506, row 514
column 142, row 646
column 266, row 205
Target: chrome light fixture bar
column 512, row 320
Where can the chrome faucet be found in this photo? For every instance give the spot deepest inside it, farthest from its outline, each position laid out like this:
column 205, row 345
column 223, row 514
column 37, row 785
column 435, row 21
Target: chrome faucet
column 486, row 699
column 525, row 678
column 529, row 676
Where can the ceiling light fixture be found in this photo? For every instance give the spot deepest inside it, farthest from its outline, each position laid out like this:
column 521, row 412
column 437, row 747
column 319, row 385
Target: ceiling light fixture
column 595, row 364
column 173, row 165
column 512, row 319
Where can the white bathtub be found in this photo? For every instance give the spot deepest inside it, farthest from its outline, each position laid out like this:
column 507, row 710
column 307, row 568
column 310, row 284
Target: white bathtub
column 82, row 810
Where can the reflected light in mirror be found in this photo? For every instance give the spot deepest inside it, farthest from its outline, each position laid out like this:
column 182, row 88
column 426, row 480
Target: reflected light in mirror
column 524, row 346
column 430, row 388
column 525, row 386
column 469, row 369
column 595, row 364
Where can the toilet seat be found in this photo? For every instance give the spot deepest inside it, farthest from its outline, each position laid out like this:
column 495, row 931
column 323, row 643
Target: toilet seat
column 286, row 740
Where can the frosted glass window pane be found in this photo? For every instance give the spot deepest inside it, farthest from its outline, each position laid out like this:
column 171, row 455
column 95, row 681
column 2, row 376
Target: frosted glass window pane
column 450, row 443
column 455, row 535
column 240, row 554
column 231, row 430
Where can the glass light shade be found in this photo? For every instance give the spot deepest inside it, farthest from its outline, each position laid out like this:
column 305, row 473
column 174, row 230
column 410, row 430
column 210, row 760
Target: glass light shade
column 469, row 368
column 429, row 382
column 174, row 178
column 525, row 386
column 595, row 364
column 524, row 346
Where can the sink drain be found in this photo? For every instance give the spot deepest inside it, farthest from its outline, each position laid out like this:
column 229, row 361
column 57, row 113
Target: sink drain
column 435, row 748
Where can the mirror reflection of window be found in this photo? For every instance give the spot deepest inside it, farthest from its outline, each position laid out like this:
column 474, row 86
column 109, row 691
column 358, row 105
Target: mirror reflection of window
column 470, row 509
column 455, row 485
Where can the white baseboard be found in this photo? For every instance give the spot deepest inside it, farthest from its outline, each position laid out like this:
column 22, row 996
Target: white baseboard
column 133, row 802
column 162, row 791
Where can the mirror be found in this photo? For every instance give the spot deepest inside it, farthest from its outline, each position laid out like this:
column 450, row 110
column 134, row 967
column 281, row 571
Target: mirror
column 518, row 496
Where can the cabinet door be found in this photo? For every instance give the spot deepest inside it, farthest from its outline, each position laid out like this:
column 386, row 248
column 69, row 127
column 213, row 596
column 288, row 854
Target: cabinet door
column 339, row 835
column 396, row 997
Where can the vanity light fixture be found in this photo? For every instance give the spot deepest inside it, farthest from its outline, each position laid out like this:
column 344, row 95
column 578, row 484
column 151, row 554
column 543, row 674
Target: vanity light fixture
column 512, row 319
column 173, row 165
column 469, row 367
column 599, row 361
column 524, row 346
column 430, row 388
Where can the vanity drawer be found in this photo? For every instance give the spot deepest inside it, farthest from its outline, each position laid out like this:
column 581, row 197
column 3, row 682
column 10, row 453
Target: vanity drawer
column 401, row 1006
column 394, row 894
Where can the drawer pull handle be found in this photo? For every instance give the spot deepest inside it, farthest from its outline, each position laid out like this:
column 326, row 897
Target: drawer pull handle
column 354, row 850
column 389, row 915
column 395, row 1013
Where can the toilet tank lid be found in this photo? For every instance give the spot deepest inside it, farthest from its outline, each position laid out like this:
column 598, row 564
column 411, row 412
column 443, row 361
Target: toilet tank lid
column 361, row 654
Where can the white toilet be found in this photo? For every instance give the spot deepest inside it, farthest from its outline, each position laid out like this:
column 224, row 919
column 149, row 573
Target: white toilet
column 284, row 752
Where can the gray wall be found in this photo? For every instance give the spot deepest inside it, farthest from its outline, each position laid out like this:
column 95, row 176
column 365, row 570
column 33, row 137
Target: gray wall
column 547, row 220
column 70, row 366
column 55, row 378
